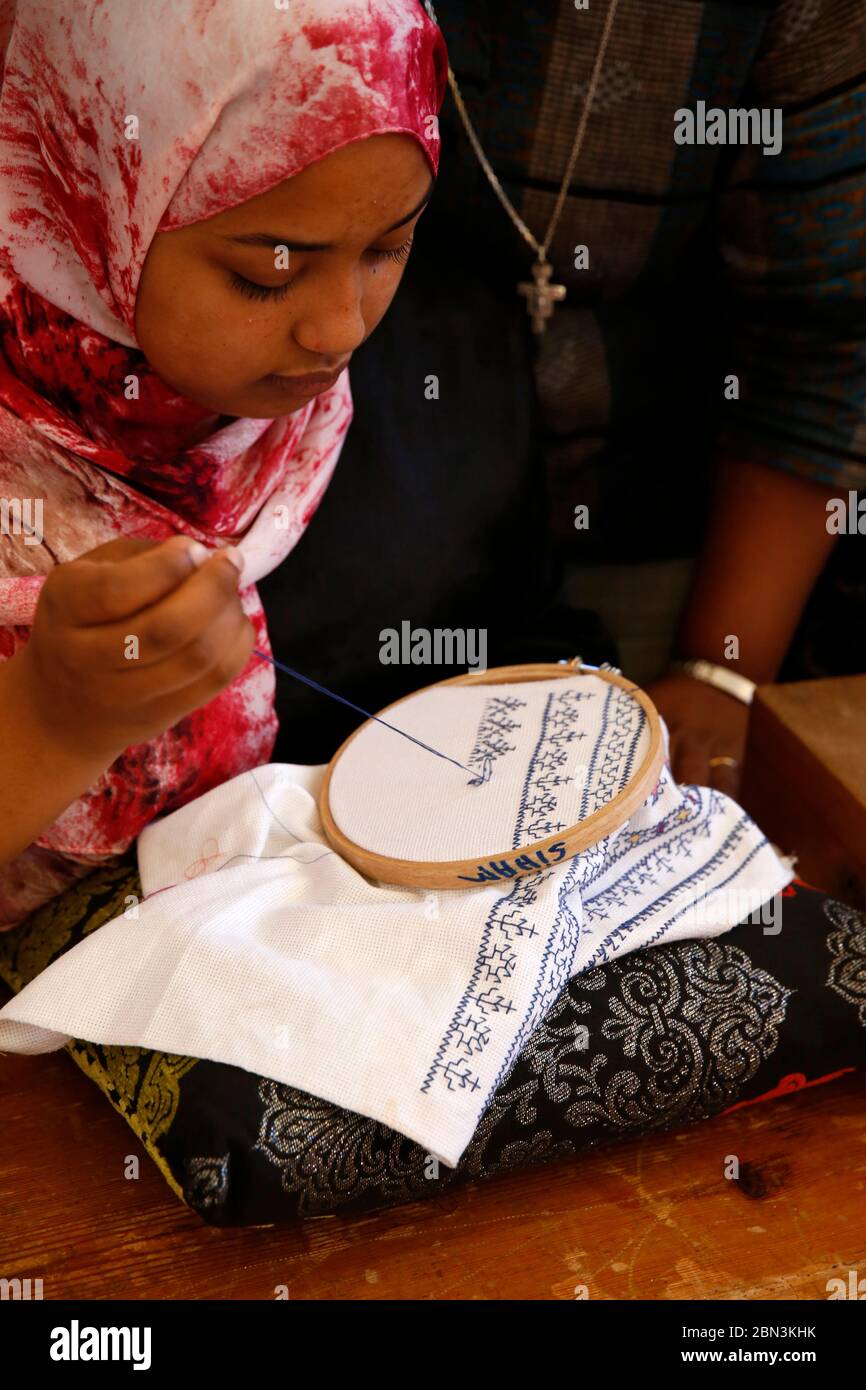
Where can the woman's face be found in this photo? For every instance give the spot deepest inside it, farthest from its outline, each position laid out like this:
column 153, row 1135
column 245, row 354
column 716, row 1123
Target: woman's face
column 238, row 311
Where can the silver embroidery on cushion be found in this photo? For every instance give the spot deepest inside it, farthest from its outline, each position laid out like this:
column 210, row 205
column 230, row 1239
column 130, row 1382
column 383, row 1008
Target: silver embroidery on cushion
column 329, row 1155
column 699, row 1018
column 207, row 1182
column 699, row 1034
column 847, row 946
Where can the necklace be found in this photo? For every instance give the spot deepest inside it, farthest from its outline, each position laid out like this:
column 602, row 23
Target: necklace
column 540, row 294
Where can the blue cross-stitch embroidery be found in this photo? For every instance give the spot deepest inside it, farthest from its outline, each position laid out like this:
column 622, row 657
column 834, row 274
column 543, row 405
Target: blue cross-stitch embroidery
column 458, row 1074
column 491, row 739
column 499, row 963
column 474, row 1034
column 549, row 803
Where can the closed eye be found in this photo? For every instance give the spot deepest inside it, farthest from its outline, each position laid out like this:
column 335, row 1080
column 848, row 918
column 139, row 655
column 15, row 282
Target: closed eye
column 400, row 254
column 253, row 290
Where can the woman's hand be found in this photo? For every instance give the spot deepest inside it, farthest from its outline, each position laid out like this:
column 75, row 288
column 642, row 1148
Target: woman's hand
column 704, row 724
column 131, row 637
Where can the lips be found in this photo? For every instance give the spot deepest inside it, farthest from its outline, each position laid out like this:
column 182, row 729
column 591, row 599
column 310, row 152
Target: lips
column 308, row 384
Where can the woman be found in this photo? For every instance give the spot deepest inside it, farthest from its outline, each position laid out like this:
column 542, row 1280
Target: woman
column 203, row 212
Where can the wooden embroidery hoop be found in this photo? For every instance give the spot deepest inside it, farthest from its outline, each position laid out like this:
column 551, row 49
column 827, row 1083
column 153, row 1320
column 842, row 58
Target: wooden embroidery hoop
column 459, row 873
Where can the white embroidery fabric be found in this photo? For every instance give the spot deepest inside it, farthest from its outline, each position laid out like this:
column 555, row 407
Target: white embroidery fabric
column 258, row 946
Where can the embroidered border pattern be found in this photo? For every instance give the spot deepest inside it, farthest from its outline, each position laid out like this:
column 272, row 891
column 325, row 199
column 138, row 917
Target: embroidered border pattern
column 706, row 871
column 491, row 740
column 546, row 777
column 547, row 783
column 488, row 994
column 612, row 762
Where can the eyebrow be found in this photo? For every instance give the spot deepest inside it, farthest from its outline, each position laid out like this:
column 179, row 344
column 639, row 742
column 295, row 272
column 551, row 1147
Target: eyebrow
column 271, row 239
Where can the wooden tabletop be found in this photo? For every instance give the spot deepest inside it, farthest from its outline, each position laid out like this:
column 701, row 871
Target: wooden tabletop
column 651, row 1218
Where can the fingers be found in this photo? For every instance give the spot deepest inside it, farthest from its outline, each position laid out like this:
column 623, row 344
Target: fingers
column 131, row 684
column 690, row 760
column 156, row 697
column 122, row 548
column 695, row 762
column 91, row 591
column 725, row 778
column 163, row 711
column 187, row 619
column 208, row 657
column 707, row 730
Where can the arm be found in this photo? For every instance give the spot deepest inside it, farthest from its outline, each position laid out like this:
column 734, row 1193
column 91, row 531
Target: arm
column 40, row 773
column 72, row 699
column 765, row 548
column 766, row 545
column 789, row 231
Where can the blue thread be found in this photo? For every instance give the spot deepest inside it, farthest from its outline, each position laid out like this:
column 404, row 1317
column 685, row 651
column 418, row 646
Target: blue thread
column 323, row 690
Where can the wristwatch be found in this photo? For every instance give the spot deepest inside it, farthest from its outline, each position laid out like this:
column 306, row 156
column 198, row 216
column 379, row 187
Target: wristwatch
column 739, row 686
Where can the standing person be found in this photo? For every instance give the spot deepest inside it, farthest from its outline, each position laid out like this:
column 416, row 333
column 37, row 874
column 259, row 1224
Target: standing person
column 714, row 325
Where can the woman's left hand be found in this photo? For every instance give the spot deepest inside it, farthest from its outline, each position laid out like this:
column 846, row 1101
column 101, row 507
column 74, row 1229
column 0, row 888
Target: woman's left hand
column 705, row 724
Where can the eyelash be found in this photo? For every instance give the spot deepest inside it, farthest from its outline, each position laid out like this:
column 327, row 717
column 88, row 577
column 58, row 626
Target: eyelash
column 398, row 253
column 252, row 290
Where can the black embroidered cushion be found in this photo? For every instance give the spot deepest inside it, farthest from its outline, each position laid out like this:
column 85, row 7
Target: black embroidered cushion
column 665, row 1036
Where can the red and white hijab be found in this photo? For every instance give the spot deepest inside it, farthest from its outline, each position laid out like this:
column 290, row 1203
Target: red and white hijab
column 117, row 121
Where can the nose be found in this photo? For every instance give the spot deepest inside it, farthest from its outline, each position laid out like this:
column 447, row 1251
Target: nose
column 330, row 322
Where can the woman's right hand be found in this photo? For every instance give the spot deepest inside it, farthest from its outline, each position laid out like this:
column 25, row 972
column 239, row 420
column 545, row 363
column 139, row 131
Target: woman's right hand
column 131, row 637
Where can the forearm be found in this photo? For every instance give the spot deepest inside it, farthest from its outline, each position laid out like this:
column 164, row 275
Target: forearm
column 766, row 545
column 39, row 776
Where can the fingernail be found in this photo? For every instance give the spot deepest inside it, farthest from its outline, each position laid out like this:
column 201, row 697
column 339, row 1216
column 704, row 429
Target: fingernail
column 197, row 552
column 232, row 553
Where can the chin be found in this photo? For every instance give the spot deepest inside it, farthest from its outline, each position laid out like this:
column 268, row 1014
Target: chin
column 242, row 408
column 263, row 412
column 250, row 404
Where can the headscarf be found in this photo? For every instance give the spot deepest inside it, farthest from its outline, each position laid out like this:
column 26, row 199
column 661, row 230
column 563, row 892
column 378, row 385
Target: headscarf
column 118, row 120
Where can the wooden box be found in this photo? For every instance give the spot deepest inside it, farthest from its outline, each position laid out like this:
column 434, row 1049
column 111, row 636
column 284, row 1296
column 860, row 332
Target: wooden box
column 805, row 779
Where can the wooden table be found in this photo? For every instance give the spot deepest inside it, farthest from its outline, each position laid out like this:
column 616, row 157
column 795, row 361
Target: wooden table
column 650, row 1218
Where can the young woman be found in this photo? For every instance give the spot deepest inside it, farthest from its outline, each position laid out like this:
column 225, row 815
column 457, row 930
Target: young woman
column 204, row 210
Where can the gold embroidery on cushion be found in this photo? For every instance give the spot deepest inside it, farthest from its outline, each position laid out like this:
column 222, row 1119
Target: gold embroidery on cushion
column 160, row 1091
column 148, row 1105
column 27, row 949
column 148, row 1109
column 128, row 886
column 34, row 943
